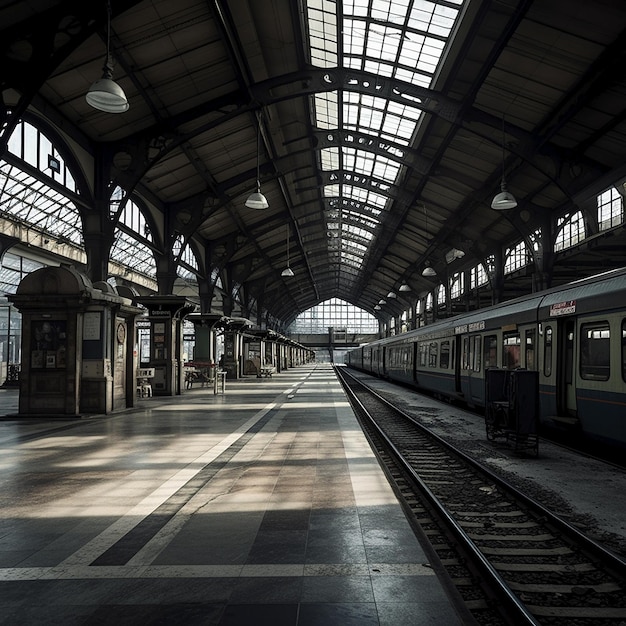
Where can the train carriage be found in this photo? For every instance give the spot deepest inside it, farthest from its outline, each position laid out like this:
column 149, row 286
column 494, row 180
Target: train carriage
column 574, row 336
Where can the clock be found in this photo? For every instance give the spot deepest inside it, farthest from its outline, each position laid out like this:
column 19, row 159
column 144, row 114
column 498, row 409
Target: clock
column 121, row 333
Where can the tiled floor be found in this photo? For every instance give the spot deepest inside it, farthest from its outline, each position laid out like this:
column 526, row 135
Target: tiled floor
column 263, row 505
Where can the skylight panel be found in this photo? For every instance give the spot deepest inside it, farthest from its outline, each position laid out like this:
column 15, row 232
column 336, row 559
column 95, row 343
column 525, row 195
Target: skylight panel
column 395, row 39
column 379, row 68
column 358, row 232
column 383, row 42
column 326, row 110
column 322, row 25
column 329, row 159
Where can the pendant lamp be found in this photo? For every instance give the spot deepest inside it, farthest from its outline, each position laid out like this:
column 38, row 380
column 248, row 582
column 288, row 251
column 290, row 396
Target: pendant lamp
column 257, row 200
column 287, row 271
column 429, row 271
column 105, row 94
column 404, row 287
column 505, row 199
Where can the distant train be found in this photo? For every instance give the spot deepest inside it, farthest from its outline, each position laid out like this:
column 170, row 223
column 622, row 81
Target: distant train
column 574, row 336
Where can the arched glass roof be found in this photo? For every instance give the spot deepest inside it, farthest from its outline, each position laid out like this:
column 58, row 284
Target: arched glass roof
column 399, row 39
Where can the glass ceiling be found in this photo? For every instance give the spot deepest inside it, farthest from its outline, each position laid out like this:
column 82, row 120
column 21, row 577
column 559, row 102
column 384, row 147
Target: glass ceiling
column 402, row 39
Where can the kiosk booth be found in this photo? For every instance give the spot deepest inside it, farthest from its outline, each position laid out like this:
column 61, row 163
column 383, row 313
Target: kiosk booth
column 77, row 344
column 166, row 315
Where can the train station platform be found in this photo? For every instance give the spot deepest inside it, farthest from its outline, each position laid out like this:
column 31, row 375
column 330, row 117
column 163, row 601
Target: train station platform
column 262, row 505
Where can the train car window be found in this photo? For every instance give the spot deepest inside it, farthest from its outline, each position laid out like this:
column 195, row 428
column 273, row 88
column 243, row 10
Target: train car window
column 624, row 350
column 529, row 348
column 490, row 351
column 511, row 350
column 476, row 353
column 432, row 354
column 423, row 350
column 444, row 357
column 465, row 355
column 595, row 351
column 547, row 351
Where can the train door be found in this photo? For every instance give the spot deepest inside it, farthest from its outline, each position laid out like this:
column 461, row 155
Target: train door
column 565, row 375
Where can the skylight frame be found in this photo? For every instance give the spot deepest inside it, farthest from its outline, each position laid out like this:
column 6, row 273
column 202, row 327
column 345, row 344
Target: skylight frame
column 401, row 39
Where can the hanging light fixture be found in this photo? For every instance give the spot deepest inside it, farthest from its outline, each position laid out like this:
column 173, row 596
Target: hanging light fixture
column 382, row 301
column 257, row 200
column 287, row 271
column 404, row 287
column 429, row 271
column 105, row 94
column 505, row 199
column 391, row 295
column 377, row 307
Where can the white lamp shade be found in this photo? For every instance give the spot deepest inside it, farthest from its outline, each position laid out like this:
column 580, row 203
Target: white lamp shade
column 404, row 287
column 391, row 294
column 106, row 95
column 429, row 271
column 504, row 199
column 287, row 272
column 257, row 200
column 381, row 301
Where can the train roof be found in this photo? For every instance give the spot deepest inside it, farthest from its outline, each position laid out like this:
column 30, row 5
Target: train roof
column 603, row 292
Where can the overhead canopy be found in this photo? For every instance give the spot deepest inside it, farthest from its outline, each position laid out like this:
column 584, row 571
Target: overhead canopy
column 384, row 129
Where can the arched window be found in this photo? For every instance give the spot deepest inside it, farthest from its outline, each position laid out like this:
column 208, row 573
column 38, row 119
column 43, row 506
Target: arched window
column 216, row 279
column 336, row 313
column 570, row 231
column 478, row 276
column 405, row 324
column 187, row 267
column 40, row 209
column 610, row 209
column 516, row 258
column 457, row 285
column 441, row 295
column 131, row 248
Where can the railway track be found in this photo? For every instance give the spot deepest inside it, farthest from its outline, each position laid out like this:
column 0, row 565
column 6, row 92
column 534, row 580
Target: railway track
column 511, row 560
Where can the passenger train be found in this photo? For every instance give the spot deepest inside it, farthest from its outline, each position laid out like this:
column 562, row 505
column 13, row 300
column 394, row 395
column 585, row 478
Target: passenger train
column 574, row 336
